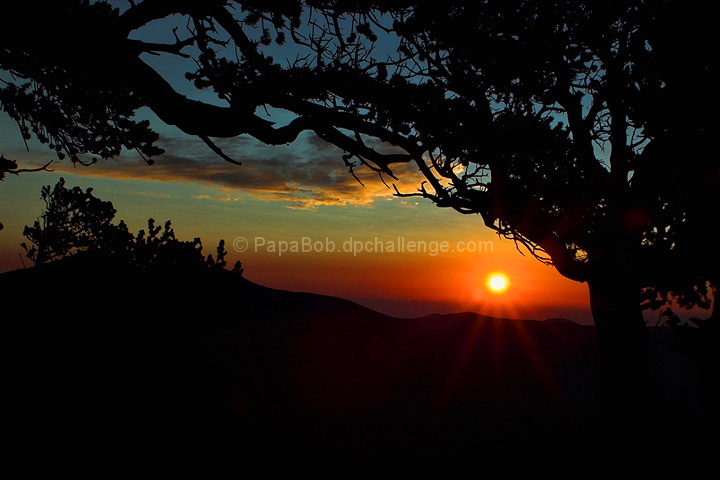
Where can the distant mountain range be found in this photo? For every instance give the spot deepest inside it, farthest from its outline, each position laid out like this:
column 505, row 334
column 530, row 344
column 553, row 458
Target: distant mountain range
column 191, row 358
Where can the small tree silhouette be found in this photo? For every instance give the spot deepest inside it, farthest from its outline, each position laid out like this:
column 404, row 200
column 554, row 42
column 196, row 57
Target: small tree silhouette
column 159, row 247
column 75, row 221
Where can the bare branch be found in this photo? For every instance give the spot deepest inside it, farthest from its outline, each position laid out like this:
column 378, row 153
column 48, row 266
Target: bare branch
column 9, row 166
column 217, row 150
column 154, row 48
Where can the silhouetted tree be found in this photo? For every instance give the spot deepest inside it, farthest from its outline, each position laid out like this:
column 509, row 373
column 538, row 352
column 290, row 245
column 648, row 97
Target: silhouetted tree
column 571, row 127
column 75, row 221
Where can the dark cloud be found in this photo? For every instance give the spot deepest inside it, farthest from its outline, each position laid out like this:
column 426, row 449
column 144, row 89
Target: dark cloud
column 304, row 174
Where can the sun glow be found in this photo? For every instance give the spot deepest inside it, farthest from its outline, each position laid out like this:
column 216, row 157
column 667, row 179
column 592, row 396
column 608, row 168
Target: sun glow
column 497, row 282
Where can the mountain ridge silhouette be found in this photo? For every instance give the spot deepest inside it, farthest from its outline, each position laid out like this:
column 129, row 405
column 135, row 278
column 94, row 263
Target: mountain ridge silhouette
column 183, row 355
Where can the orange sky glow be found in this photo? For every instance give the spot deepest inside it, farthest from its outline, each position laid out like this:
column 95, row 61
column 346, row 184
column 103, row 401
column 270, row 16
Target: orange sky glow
column 414, row 259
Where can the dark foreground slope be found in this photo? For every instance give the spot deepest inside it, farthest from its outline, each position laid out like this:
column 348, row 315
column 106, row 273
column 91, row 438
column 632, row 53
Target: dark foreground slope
column 136, row 360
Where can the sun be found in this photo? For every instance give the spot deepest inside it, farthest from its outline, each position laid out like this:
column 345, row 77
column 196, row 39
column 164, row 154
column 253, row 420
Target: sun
column 497, row 282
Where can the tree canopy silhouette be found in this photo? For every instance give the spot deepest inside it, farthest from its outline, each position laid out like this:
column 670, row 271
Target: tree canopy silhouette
column 76, row 222
column 574, row 128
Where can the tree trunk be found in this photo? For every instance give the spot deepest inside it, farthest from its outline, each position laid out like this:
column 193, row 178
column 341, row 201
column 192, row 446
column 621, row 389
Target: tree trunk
column 628, row 397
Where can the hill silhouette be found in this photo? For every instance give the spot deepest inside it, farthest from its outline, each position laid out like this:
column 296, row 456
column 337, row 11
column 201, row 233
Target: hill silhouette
column 156, row 357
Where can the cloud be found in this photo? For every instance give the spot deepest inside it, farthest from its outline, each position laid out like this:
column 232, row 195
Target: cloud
column 305, row 175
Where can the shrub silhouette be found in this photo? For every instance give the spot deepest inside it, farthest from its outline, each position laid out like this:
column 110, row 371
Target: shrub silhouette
column 75, row 222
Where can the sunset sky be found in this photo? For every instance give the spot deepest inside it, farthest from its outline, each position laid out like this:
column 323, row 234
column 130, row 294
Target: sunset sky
column 290, row 193
column 302, row 193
